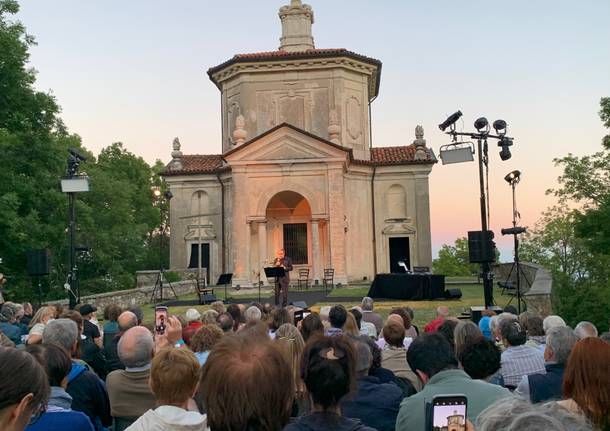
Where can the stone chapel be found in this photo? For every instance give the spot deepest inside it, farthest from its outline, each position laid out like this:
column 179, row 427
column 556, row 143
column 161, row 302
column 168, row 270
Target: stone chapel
column 297, row 170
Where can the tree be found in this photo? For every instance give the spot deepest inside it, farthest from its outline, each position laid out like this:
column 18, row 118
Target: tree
column 454, row 261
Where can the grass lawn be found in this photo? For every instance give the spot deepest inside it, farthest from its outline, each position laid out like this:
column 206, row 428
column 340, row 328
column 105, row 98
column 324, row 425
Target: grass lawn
column 472, row 294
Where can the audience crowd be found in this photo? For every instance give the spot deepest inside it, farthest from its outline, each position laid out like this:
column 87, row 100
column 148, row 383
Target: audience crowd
column 258, row 367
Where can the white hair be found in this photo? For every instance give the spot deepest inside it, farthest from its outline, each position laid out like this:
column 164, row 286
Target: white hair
column 253, row 313
column 63, row 332
column 552, row 321
column 585, row 329
column 367, row 303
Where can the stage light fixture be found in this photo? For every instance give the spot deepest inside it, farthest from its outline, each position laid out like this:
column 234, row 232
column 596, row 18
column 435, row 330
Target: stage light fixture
column 450, row 121
column 505, row 142
column 168, row 195
column 500, row 127
column 481, row 124
column 513, row 177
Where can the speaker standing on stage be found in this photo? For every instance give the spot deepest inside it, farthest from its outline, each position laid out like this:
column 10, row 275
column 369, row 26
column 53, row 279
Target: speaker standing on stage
column 281, row 287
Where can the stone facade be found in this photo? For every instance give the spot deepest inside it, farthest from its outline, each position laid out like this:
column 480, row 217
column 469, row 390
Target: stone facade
column 297, row 170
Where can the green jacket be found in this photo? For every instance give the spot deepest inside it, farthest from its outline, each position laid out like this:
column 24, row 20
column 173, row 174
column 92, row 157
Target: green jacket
column 412, row 414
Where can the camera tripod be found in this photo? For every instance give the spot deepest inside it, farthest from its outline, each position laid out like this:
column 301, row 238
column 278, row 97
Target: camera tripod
column 159, row 285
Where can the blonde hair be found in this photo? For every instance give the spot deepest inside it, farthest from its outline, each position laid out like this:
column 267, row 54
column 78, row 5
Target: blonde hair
column 350, row 326
column 41, row 314
column 291, row 343
column 174, row 376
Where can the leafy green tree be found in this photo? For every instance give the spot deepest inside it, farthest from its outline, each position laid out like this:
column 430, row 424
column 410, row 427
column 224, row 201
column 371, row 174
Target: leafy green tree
column 453, row 260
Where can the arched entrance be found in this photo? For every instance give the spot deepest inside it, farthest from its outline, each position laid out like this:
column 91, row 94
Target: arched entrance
column 288, row 216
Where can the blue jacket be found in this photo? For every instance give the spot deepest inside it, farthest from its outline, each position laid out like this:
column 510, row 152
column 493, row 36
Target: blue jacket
column 11, row 331
column 376, row 404
column 544, row 387
column 59, row 416
column 89, row 395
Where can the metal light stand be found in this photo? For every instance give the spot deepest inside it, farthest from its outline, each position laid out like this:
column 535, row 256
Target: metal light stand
column 515, row 232
column 161, row 274
column 481, row 137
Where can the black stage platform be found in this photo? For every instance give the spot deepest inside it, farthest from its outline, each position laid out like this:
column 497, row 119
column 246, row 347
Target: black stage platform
column 414, row 287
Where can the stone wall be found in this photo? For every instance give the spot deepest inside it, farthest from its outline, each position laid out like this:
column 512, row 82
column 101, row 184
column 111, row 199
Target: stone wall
column 536, row 285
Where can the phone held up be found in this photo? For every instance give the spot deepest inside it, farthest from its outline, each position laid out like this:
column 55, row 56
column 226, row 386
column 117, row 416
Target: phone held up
column 447, row 412
column 160, row 320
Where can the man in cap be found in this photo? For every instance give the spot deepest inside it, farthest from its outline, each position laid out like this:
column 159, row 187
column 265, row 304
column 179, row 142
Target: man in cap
column 90, row 329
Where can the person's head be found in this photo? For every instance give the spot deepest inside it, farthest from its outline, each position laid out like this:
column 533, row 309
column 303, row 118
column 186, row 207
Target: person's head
column 209, row 317
column 375, row 353
column 55, row 360
column 225, row 321
column 247, row 384
column 218, row 307
column 511, row 332
column 367, row 304
column 205, row 338
column 498, row 321
column 19, row 312
column 358, row 316
column 559, row 343
column 325, row 312
column 514, row 413
column 393, row 333
column 511, row 309
column 87, row 311
column 74, row 316
column 127, row 320
column 112, row 312
column 291, row 342
column 447, row 330
column 493, row 326
column 255, row 329
column 174, row 376
column 8, row 312
column 28, row 310
column 465, row 333
column 552, row 321
column 280, row 253
column 585, row 329
column 404, row 315
column 337, row 316
column 43, row 315
column 534, row 326
column 136, row 347
column 235, row 312
column 311, row 325
column 605, row 336
column 329, row 370
column 24, row 389
column 138, row 312
column 442, row 311
column 586, row 377
column 351, row 327
column 480, row 359
column 524, row 317
column 410, row 311
column 364, row 358
column 192, row 315
column 253, row 314
column 430, row 354
column 279, row 316
column 62, row 332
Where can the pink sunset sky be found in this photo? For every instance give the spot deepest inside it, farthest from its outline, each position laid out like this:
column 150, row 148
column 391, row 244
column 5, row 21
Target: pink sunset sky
column 135, row 72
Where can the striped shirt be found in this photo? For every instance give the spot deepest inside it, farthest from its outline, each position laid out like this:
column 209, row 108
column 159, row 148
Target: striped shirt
column 519, row 361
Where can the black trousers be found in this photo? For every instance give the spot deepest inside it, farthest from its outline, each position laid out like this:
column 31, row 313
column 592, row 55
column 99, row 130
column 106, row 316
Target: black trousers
column 281, row 290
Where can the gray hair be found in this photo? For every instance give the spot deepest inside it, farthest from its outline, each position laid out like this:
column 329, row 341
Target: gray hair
column 8, row 312
column 63, row 332
column 252, row 314
column 552, row 321
column 493, row 324
column 465, row 333
column 209, row 317
column 136, row 347
column 513, row 413
column 561, row 341
column 585, row 329
column 367, row 303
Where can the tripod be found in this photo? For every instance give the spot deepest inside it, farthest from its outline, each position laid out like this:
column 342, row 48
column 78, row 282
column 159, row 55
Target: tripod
column 515, row 232
column 159, row 286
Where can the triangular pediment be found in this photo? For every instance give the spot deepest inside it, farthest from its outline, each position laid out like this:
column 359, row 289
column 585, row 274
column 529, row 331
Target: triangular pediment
column 286, row 143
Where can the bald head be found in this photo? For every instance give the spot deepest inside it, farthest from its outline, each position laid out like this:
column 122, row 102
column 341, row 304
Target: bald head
column 442, row 311
column 396, row 318
column 127, row 320
column 136, row 347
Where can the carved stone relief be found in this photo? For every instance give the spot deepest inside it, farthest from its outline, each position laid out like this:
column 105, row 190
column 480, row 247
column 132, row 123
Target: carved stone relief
column 233, row 112
column 353, row 117
column 292, row 110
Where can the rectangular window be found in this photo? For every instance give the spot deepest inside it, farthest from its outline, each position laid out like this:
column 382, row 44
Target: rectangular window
column 295, row 242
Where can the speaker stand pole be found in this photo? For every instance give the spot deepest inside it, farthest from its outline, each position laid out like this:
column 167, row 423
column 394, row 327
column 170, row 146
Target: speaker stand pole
column 486, row 272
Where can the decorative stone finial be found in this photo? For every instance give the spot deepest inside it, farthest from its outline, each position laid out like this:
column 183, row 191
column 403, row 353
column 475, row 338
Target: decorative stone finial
column 297, row 19
column 240, row 133
column 334, row 127
column 421, row 152
column 176, row 155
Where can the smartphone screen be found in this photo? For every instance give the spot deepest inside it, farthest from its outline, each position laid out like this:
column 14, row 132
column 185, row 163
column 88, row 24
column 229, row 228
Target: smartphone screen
column 449, row 412
column 160, row 319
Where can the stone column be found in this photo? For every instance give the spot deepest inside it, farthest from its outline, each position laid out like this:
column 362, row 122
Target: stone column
column 315, row 247
column 248, row 248
column 240, row 213
column 336, row 223
column 262, row 241
column 422, row 220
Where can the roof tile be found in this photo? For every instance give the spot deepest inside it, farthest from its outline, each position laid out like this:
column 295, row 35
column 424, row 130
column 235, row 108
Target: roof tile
column 197, row 164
